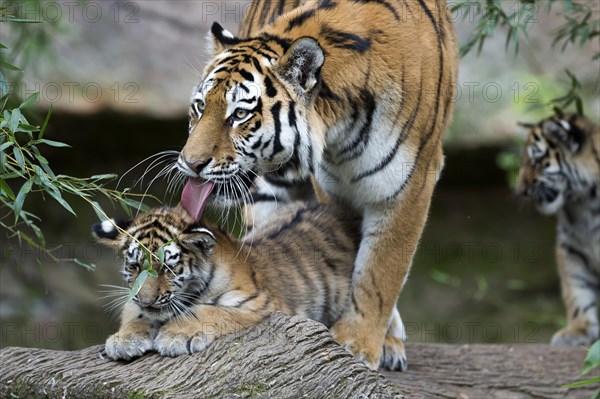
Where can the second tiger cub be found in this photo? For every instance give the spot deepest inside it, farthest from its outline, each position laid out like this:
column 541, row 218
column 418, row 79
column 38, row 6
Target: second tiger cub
column 210, row 285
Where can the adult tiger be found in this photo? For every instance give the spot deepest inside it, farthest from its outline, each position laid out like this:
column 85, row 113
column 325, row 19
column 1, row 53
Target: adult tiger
column 560, row 171
column 354, row 93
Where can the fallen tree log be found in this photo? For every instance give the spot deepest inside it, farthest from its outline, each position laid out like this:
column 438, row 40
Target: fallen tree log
column 286, row 357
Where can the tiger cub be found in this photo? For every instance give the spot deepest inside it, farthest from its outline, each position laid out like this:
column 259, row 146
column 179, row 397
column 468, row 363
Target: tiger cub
column 560, row 171
column 210, row 284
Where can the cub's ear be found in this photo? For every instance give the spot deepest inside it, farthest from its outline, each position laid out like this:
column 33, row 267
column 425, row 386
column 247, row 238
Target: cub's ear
column 200, row 236
column 563, row 132
column 220, row 39
column 301, row 65
column 107, row 232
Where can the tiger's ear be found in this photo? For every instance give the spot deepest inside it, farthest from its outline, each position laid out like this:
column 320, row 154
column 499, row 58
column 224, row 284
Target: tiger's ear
column 563, row 132
column 107, row 232
column 301, row 64
column 200, row 236
column 220, row 39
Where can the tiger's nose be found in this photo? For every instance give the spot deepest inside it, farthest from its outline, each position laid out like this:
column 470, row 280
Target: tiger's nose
column 145, row 302
column 197, row 166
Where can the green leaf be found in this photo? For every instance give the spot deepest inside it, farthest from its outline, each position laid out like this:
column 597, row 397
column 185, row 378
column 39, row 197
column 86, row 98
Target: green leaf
column 581, row 383
column 592, row 360
column 10, row 18
column 4, row 146
column 25, row 189
column 24, row 127
column 579, row 106
column 10, row 66
column 161, row 255
column 136, row 204
column 19, row 157
column 15, row 118
column 6, row 190
column 98, row 209
column 40, row 158
column 29, row 100
column 29, row 240
column 43, row 128
column 37, row 231
column 58, row 197
column 137, row 284
column 126, row 208
column 152, row 273
column 87, row 265
column 43, row 178
column 53, row 143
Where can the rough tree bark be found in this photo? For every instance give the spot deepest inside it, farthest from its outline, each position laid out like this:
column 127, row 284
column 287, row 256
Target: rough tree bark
column 286, row 357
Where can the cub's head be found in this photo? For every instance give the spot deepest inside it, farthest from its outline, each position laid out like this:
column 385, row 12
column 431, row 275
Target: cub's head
column 249, row 114
column 555, row 163
column 187, row 266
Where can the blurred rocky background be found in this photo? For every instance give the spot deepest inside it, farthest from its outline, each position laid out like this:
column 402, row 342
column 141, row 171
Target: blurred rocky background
column 118, row 75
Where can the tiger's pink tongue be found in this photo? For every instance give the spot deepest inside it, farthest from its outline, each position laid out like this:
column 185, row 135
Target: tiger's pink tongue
column 194, row 195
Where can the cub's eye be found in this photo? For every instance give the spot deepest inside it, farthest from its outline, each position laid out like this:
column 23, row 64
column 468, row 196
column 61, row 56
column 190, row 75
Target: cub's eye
column 240, row 113
column 132, row 267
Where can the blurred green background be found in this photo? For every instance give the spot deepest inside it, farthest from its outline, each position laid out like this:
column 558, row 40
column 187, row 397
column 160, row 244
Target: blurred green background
column 118, row 76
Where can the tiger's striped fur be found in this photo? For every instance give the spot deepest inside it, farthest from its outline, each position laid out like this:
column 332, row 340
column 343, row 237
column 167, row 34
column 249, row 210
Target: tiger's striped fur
column 355, row 94
column 299, row 263
column 560, row 171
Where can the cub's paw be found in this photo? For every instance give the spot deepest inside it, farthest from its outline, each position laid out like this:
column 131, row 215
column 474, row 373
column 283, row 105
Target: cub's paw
column 572, row 337
column 176, row 342
column 394, row 355
column 126, row 346
column 361, row 342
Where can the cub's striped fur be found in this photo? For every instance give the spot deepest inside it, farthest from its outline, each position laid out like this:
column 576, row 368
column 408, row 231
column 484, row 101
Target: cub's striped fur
column 560, row 171
column 210, row 284
column 355, row 94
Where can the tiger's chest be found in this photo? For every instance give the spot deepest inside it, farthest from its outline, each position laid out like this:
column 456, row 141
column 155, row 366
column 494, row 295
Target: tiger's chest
column 366, row 160
column 579, row 226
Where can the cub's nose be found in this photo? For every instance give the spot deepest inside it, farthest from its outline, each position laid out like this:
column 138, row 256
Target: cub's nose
column 145, row 302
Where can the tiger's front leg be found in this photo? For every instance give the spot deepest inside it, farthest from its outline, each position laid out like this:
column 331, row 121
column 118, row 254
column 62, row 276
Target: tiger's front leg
column 580, row 289
column 194, row 332
column 135, row 336
column 390, row 234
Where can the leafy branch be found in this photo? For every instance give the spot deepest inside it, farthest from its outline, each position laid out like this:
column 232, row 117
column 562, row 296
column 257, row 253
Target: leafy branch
column 492, row 13
column 578, row 27
column 517, row 17
column 591, row 362
column 23, row 165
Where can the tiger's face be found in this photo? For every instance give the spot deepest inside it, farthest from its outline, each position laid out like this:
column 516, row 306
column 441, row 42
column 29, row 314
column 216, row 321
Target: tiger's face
column 249, row 114
column 550, row 161
column 186, row 269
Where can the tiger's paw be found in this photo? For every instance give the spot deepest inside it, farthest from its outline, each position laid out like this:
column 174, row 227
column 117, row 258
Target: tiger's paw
column 394, row 355
column 126, row 346
column 573, row 337
column 176, row 341
column 360, row 342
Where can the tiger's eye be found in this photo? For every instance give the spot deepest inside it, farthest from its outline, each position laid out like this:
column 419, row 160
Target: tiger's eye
column 241, row 113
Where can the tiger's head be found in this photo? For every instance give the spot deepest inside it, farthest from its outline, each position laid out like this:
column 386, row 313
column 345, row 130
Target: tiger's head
column 186, row 269
column 555, row 163
column 251, row 114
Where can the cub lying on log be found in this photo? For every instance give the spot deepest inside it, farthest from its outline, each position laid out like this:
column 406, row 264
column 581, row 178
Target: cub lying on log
column 209, row 284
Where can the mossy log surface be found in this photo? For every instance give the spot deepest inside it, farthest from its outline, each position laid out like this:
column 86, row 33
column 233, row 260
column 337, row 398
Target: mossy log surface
column 287, row 357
